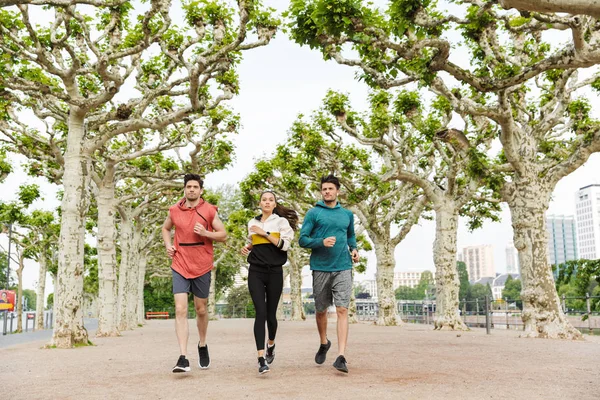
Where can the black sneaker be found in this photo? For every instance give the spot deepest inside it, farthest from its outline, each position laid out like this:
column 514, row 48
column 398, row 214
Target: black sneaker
column 203, row 357
column 340, row 364
column 263, row 367
column 322, row 353
column 270, row 354
column 183, row 365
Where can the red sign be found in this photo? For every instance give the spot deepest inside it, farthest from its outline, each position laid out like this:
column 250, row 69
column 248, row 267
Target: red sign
column 7, row 300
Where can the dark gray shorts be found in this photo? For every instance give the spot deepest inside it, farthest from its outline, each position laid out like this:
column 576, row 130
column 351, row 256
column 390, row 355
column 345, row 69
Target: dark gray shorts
column 199, row 286
column 332, row 288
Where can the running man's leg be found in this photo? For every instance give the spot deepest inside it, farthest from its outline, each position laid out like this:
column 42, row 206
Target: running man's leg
column 323, row 299
column 342, row 290
column 273, row 289
column 200, row 287
column 257, row 288
column 342, row 329
column 181, row 321
column 201, row 306
column 181, row 288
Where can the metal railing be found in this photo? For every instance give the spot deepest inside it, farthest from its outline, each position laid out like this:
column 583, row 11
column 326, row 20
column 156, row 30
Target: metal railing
column 582, row 312
column 8, row 321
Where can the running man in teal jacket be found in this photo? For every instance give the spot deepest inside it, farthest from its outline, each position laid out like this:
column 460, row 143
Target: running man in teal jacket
column 328, row 230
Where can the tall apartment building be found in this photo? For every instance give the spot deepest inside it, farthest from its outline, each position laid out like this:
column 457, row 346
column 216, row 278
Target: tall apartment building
column 512, row 259
column 562, row 238
column 479, row 261
column 587, row 208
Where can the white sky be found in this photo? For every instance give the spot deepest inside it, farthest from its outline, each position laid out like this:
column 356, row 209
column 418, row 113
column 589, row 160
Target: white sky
column 282, row 80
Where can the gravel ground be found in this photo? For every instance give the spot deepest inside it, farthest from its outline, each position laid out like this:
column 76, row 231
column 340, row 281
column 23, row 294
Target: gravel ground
column 408, row 362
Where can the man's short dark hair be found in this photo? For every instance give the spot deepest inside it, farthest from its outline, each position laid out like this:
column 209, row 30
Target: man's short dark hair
column 193, row 177
column 331, row 179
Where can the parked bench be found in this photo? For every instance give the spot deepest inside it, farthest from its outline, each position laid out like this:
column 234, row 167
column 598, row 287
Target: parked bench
column 157, row 314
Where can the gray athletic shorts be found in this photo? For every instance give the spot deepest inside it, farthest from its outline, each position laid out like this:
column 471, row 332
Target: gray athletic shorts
column 332, row 288
column 199, row 286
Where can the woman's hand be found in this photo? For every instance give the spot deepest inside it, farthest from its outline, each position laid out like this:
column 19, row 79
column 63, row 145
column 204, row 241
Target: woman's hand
column 246, row 249
column 258, row 230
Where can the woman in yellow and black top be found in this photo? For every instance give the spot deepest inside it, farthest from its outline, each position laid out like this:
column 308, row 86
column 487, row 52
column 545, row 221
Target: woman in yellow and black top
column 269, row 237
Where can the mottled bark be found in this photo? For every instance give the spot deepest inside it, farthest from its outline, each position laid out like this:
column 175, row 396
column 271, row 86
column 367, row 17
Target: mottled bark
column 125, row 241
column 386, row 301
column 140, row 310
column 68, row 325
column 107, row 257
column 132, row 284
column 280, row 312
column 352, row 318
column 295, row 266
column 543, row 317
column 212, row 296
column 446, row 274
column 41, row 291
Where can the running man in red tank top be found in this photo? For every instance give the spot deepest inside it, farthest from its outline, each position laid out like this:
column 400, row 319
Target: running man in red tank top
column 197, row 226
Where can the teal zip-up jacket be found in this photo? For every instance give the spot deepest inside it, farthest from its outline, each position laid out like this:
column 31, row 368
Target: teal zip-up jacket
column 322, row 222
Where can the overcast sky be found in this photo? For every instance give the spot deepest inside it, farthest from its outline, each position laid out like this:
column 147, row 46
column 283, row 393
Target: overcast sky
column 282, row 80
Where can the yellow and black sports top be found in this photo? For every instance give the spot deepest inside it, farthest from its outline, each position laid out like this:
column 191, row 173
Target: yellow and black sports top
column 264, row 253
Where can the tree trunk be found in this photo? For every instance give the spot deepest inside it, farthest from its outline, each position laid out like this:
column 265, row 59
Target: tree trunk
column 126, row 238
column 212, row 296
column 446, row 274
column 352, row 318
column 41, row 291
column 140, row 289
column 19, row 299
column 386, row 300
column 68, row 326
column 107, row 258
column 296, row 288
column 543, row 316
column 133, row 277
column 280, row 312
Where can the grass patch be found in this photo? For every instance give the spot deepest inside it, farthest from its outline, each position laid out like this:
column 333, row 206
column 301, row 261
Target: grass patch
column 89, row 343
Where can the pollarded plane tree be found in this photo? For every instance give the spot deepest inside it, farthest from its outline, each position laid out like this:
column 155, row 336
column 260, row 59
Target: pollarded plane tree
column 84, row 69
column 408, row 133
column 143, row 161
column 511, row 80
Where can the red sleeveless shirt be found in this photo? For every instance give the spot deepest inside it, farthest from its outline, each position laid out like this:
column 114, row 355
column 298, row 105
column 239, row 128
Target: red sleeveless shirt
column 194, row 253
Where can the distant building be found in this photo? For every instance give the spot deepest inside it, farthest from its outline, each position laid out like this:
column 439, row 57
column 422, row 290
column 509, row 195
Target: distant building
column 460, row 257
column 370, row 286
column 479, row 261
column 512, row 259
column 587, row 208
column 562, row 239
column 498, row 284
column 410, row 279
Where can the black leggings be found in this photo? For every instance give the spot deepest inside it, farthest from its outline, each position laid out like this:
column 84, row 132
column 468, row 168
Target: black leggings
column 265, row 290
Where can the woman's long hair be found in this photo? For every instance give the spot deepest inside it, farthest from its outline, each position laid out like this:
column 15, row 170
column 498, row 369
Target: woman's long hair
column 284, row 212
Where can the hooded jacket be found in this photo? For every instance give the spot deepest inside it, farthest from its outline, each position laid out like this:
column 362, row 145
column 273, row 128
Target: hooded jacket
column 194, row 253
column 321, row 222
column 265, row 254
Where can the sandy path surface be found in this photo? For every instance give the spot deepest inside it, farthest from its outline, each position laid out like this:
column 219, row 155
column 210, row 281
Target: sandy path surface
column 409, row 362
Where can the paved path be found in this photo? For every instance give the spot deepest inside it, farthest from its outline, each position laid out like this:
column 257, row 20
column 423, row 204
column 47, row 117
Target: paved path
column 409, row 362
column 43, row 335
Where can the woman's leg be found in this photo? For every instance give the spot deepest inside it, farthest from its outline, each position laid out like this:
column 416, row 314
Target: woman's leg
column 256, row 286
column 274, row 289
